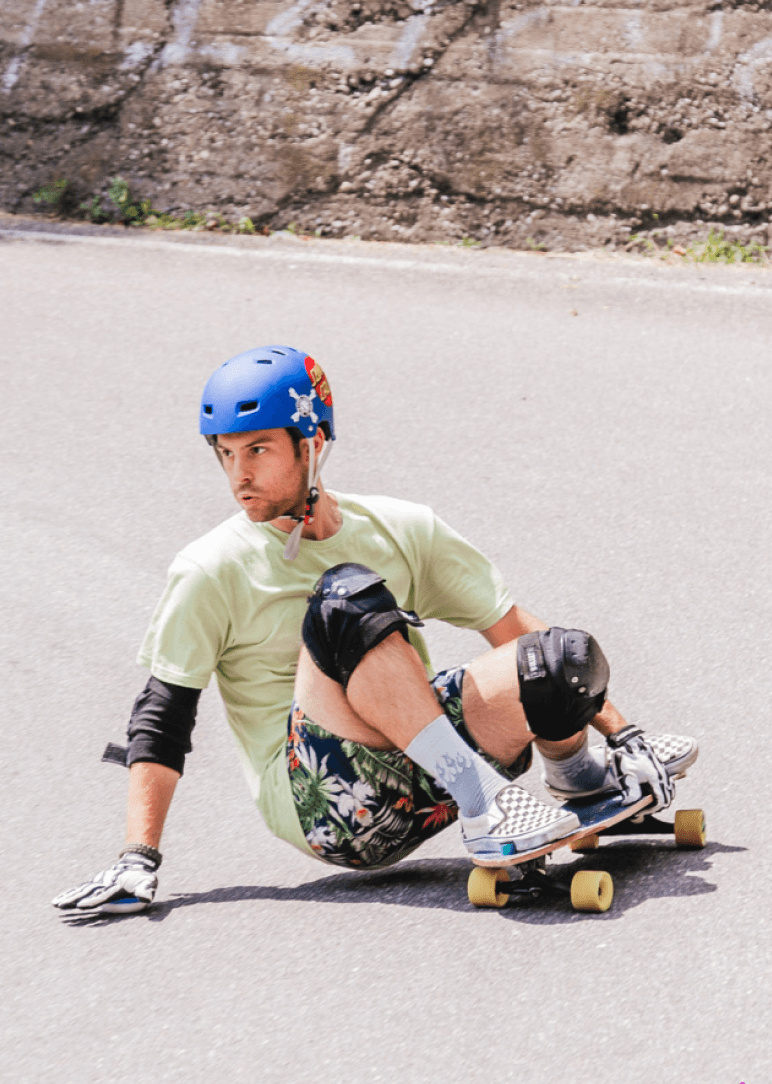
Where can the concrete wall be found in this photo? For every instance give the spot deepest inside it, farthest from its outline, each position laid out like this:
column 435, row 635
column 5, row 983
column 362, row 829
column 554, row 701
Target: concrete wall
column 401, row 119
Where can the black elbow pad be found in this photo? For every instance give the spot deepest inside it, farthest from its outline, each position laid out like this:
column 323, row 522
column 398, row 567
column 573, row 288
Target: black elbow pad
column 160, row 726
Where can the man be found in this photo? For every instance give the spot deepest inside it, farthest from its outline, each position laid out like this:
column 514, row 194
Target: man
column 306, row 606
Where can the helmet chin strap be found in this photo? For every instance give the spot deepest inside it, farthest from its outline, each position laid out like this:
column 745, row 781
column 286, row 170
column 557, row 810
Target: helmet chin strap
column 293, row 542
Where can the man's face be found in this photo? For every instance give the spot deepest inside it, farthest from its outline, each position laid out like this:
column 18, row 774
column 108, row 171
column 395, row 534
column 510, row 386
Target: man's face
column 266, row 477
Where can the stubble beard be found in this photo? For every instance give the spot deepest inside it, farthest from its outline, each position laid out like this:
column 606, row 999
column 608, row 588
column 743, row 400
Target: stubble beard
column 266, row 511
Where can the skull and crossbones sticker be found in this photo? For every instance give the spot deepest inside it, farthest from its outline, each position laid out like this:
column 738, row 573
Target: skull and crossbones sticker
column 304, row 406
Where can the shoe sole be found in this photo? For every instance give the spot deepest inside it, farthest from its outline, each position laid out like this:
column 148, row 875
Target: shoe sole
column 522, row 844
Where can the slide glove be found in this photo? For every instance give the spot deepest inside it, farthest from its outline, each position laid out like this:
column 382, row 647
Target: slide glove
column 127, row 886
column 637, row 769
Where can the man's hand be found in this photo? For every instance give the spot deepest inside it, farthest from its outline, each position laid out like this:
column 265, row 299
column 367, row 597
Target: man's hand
column 636, row 765
column 127, row 886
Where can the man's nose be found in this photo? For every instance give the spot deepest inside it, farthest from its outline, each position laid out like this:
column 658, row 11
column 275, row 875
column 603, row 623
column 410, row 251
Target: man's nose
column 241, row 468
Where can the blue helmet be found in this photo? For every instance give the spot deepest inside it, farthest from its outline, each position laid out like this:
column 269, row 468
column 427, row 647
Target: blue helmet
column 270, row 387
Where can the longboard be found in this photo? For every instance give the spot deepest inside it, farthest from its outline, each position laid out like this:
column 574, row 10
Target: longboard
column 591, row 890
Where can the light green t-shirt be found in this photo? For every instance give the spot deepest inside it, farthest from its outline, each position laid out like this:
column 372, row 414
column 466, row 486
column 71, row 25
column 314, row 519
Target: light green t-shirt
column 234, row 606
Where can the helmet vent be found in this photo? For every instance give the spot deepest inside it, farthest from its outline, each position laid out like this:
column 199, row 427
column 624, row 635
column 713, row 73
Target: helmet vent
column 281, row 353
column 263, row 361
column 249, row 407
column 207, row 408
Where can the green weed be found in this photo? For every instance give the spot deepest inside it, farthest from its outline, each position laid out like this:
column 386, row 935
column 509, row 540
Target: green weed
column 719, row 249
column 93, row 209
column 118, row 204
column 119, row 194
column 52, row 193
column 637, row 239
column 716, row 249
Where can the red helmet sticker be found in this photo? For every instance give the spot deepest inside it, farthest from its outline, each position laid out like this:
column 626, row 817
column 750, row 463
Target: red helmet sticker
column 319, row 381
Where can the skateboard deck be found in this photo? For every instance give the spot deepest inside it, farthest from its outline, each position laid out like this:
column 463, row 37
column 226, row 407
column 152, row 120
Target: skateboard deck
column 593, row 816
column 490, row 884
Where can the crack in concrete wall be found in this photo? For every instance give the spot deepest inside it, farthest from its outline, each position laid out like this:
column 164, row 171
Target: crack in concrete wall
column 509, row 122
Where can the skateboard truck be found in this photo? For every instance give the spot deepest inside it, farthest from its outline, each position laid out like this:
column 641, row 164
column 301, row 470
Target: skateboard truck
column 643, row 825
column 532, row 882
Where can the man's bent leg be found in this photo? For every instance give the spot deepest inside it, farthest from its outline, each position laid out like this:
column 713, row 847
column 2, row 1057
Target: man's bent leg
column 559, row 678
column 355, row 634
column 546, row 686
column 364, row 807
column 360, row 807
column 389, row 705
column 496, row 815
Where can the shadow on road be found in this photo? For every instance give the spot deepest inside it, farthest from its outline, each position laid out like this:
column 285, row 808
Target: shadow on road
column 641, row 871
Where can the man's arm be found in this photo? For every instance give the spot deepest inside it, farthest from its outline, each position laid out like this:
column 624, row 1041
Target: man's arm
column 159, row 737
column 130, row 884
column 513, row 624
column 186, row 636
column 151, row 788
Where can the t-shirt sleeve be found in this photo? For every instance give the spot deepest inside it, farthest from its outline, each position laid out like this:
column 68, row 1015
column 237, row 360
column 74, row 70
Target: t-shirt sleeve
column 189, row 630
column 456, row 582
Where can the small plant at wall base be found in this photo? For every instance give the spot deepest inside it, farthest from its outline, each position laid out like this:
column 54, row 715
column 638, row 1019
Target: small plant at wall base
column 716, row 249
column 51, row 193
column 719, row 249
column 118, row 205
column 59, row 195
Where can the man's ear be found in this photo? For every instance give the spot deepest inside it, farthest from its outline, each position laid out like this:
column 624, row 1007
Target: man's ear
column 319, row 441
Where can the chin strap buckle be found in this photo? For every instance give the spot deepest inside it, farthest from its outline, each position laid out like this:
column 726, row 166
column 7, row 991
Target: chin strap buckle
column 311, row 500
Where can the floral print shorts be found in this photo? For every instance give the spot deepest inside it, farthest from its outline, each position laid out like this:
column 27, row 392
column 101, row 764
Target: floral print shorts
column 365, row 808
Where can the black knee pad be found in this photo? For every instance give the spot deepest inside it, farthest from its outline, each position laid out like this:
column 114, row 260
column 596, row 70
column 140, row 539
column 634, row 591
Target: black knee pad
column 349, row 613
column 563, row 676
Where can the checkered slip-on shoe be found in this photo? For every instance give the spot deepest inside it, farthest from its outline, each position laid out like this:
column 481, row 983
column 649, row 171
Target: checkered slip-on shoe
column 676, row 753
column 516, row 822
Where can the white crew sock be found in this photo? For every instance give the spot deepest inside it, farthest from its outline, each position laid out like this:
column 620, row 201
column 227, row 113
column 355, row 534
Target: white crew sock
column 469, row 779
column 583, row 770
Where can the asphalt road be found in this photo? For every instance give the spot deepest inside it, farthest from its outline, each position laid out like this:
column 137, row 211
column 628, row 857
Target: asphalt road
column 614, row 463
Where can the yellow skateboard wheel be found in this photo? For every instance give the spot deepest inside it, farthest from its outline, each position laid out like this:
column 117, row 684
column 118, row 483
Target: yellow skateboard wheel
column 482, row 887
column 690, row 828
column 591, row 890
column 586, row 843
